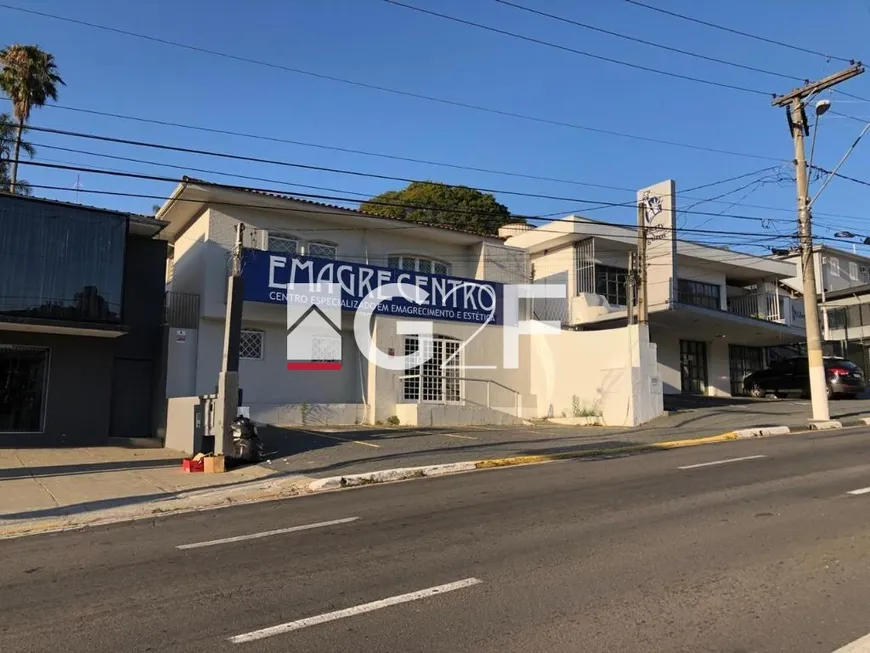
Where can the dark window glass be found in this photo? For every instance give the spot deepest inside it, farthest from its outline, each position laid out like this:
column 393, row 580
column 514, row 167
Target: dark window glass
column 60, row 263
column 610, row 284
column 698, row 293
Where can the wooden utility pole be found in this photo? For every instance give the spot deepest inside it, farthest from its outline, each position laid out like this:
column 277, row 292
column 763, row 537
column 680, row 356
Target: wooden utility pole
column 228, row 380
column 797, row 121
column 640, row 268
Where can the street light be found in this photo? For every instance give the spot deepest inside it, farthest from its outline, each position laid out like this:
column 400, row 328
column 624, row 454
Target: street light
column 822, row 107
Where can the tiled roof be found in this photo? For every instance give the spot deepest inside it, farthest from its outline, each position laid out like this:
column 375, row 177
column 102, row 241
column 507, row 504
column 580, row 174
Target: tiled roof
column 288, row 196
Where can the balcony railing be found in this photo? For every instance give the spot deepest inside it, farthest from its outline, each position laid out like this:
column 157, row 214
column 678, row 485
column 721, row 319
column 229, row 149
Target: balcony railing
column 761, row 306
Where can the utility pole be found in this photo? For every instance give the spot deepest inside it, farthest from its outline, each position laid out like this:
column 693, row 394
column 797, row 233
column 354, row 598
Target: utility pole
column 228, row 379
column 797, row 121
column 630, row 280
column 641, row 270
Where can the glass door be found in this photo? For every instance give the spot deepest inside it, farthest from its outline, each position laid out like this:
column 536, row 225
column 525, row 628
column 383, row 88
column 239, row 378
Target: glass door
column 23, row 380
column 693, row 367
column 743, row 362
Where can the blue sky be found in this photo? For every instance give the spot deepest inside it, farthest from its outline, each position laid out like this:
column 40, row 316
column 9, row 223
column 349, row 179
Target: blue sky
column 377, row 43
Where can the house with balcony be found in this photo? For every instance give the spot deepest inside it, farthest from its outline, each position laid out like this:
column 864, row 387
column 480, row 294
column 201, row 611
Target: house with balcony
column 712, row 311
column 81, row 324
column 290, row 241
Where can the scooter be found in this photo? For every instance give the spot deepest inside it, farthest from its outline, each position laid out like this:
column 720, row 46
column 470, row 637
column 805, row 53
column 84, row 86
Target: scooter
column 246, row 440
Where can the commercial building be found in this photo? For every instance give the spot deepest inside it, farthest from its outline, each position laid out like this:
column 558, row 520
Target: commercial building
column 81, row 315
column 713, row 312
column 303, row 361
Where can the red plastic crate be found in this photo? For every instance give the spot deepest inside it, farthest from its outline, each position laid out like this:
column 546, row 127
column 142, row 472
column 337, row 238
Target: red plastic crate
column 191, row 465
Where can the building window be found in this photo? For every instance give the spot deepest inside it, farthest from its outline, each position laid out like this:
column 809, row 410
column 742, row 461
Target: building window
column 834, row 266
column 283, row 243
column 438, row 379
column 322, row 250
column 836, row 318
column 853, row 271
column 326, row 349
column 251, row 344
column 417, row 264
column 698, row 293
column 610, row 284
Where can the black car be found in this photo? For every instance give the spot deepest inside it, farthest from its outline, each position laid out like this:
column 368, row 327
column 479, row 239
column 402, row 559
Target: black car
column 843, row 377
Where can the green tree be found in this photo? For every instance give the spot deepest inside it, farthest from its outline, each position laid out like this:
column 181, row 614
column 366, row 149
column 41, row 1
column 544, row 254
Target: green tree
column 29, row 78
column 8, row 131
column 434, row 203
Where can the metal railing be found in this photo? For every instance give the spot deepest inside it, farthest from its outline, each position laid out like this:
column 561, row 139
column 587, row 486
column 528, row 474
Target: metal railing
column 426, row 383
column 763, row 306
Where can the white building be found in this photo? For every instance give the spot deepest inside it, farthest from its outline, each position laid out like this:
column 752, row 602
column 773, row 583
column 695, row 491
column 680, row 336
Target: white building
column 712, row 311
column 466, row 380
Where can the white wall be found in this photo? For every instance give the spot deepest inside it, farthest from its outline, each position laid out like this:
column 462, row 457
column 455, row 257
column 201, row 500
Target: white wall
column 181, row 363
column 610, row 372
column 668, row 361
column 718, row 363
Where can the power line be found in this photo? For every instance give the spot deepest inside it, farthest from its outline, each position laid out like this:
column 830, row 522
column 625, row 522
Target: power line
column 305, row 166
column 582, row 53
column 385, row 89
column 411, row 206
column 660, row 46
column 730, row 30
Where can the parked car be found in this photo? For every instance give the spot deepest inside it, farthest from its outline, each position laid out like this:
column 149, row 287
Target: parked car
column 842, row 377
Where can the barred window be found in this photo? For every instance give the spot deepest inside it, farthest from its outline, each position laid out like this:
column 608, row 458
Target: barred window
column 610, row 284
column 326, row 349
column 322, row 250
column 283, row 243
column 251, row 344
column 418, row 264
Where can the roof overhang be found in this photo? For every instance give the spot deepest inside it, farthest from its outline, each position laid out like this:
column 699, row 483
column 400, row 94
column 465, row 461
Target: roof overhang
column 190, row 198
column 8, row 323
column 735, row 265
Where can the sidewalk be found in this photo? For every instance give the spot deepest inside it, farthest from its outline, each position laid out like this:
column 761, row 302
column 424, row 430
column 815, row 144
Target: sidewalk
column 54, row 489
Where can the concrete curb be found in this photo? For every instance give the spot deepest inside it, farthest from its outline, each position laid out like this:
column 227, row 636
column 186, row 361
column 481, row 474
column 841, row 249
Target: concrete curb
column 282, row 487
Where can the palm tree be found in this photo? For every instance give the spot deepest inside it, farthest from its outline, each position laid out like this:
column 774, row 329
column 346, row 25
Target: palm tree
column 29, row 77
column 7, row 148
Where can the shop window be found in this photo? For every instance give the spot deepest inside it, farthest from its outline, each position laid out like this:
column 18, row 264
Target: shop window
column 283, row 243
column 251, row 344
column 418, row 264
column 23, row 388
column 322, row 250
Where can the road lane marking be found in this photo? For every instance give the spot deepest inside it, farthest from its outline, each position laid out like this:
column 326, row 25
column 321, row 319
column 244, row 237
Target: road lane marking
column 721, row 462
column 335, row 437
column 461, row 437
column 350, row 612
column 863, row 490
column 256, row 536
column 858, row 646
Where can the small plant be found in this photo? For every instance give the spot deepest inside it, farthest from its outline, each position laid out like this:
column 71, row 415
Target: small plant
column 564, row 414
column 581, row 411
column 379, row 422
column 304, row 411
column 393, row 420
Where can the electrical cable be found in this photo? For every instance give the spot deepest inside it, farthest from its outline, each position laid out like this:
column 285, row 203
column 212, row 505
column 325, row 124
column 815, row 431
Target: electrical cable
column 582, row 53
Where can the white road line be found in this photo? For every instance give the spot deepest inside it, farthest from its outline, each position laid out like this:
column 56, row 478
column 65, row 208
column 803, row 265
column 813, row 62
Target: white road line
column 863, row 490
column 858, row 646
column 256, row 536
column 721, row 462
column 461, row 437
column 350, row 612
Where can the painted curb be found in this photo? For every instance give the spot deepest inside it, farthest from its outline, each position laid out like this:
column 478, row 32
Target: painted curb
column 825, row 426
column 389, row 476
column 762, row 432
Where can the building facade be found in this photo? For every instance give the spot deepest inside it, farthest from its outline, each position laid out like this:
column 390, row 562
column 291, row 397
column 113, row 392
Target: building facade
column 282, row 232
column 81, row 315
column 712, row 312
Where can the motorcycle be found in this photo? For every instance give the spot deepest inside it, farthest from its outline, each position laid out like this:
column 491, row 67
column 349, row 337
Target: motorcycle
column 246, row 440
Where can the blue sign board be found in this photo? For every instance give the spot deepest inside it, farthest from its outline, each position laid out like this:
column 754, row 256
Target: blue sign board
column 271, row 276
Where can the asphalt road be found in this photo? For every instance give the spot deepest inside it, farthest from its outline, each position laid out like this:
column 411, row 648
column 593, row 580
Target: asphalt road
column 768, row 553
